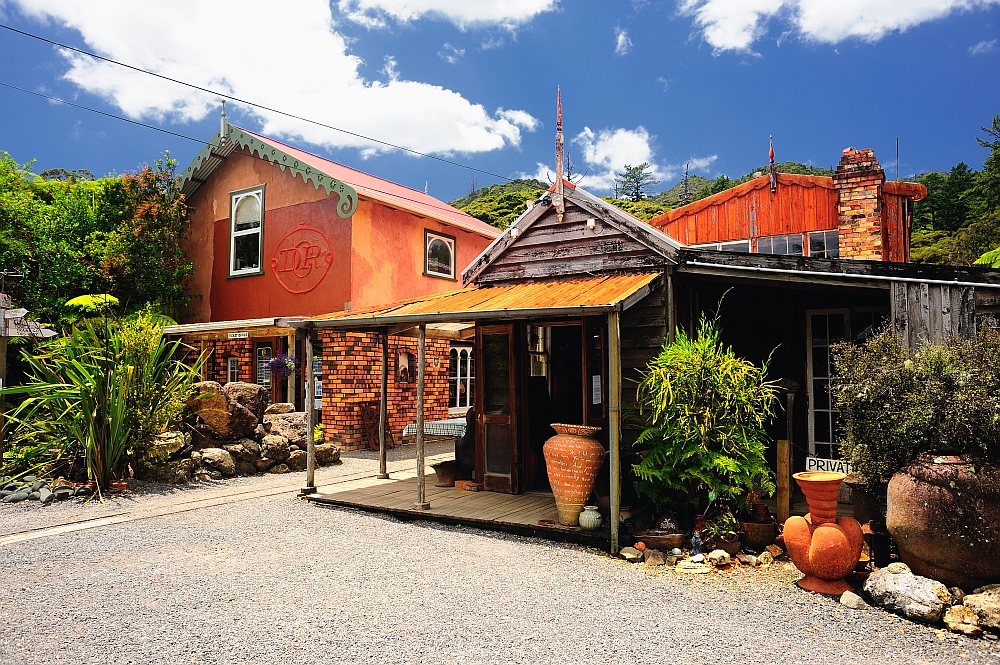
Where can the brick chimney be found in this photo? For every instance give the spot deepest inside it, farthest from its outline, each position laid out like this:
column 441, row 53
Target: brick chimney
column 859, row 180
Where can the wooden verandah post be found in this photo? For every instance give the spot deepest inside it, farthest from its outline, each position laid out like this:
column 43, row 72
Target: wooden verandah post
column 307, row 400
column 421, row 503
column 383, row 473
column 614, row 423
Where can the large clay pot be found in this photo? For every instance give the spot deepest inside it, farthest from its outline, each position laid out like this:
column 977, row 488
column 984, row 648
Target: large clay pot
column 823, row 547
column 572, row 458
column 943, row 511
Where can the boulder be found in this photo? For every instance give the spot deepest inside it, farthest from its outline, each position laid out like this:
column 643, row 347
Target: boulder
column 962, row 619
column 240, row 452
column 208, row 402
column 83, row 490
column 218, row 459
column 279, row 407
column 251, row 396
column 765, row 558
column 274, row 447
column 171, row 443
column 63, row 493
column 631, row 554
column 297, row 460
column 34, row 496
column 245, row 468
column 654, row 558
column 327, row 453
column 206, row 473
column 252, row 446
column 292, row 426
column 263, row 464
column 281, row 468
column 718, row 558
column 177, row 473
column 38, row 485
column 898, row 590
column 985, row 602
column 16, row 497
column 853, row 600
column 45, row 496
column 685, row 566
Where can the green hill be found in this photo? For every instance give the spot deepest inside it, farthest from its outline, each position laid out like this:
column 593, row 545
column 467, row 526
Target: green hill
column 500, row 205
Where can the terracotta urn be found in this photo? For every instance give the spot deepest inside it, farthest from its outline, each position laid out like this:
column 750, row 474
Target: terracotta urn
column 572, row 458
column 943, row 511
column 823, row 547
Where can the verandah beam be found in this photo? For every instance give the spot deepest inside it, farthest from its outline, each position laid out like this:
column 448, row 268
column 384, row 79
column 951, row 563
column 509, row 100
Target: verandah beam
column 614, row 422
column 421, row 503
column 383, row 407
column 307, row 402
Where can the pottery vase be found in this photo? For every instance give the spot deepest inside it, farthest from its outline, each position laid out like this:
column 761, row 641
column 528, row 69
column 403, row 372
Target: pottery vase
column 824, row 548
column 590, row 519
column 572, row 458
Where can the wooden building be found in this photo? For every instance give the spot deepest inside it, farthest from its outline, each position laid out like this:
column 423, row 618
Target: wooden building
column 279, row 232
column 568, row 306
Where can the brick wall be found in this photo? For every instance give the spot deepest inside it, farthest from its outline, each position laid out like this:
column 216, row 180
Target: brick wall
column 218, row 361
column 859, row 180
column 352, row 374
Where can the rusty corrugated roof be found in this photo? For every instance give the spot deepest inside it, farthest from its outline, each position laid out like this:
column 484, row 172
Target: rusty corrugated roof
column 594, row 294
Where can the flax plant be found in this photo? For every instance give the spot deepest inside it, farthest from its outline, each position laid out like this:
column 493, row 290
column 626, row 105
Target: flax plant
column 704, row 411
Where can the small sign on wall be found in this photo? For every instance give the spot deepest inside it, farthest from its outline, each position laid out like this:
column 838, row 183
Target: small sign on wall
column 595, row 389
column 820, row 464
column 240, row 335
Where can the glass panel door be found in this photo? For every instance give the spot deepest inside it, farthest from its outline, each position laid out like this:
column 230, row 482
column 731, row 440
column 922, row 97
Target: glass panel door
column 824, row 328
column 495, row 406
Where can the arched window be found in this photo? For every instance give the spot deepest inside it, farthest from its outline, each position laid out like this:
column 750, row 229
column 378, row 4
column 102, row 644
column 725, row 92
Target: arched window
column 439, row 255
column 461, row 380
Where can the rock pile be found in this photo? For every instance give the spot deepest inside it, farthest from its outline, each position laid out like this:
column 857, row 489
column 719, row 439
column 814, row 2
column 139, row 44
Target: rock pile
column 237, row 433
column 29, row 488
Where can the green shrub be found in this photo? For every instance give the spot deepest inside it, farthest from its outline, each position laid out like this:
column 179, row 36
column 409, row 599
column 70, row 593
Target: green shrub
column 896, row 403
column 705, row 411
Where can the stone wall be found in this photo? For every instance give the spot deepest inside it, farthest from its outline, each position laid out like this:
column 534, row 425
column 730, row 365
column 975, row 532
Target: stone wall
column 352, row 375
column 859, row 180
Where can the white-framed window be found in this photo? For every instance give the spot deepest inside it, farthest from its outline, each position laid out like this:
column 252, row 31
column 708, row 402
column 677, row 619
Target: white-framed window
column 787, row 244
column 246, row 232
column 824, row 328
column 824, row 244
column 739, row 246
column 263, row 366
column 233, row 370
column 461, row 378
column 439, row 255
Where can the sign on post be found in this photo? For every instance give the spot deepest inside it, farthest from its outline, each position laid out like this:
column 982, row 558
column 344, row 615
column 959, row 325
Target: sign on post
column 239, row 335
column 820, row 464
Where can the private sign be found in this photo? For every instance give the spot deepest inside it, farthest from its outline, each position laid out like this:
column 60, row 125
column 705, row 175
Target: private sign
column 819, row 464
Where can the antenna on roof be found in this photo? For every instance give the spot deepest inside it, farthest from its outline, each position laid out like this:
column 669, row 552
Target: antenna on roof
column 426, row 183
column 774, row 171
column 897, row 158
column 223, row 122
column 558, row 198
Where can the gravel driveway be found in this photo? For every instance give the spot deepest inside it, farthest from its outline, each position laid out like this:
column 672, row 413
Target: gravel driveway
column 271, row 579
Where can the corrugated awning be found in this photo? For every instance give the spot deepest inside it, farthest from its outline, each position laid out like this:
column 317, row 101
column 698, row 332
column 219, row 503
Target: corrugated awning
column 575, row 297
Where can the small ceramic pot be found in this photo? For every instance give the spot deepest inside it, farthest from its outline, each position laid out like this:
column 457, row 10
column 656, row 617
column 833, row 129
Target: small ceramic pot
column 590, row 519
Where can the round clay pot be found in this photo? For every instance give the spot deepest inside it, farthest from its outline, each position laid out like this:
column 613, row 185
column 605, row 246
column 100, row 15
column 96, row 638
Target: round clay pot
column 824, row 548
column 943, row 511
column 590, row 519
column 446, row 472
column 730, row 546
column 572, row 458
column 758, row 535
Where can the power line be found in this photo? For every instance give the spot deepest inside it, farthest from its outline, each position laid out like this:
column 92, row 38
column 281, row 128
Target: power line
column 249, row 103
column 209, row 143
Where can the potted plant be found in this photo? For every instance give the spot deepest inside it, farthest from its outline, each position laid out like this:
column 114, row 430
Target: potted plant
column 722, row 532
column 703, row 410
column 759, row 530
column 283, row 365
column 924, row 424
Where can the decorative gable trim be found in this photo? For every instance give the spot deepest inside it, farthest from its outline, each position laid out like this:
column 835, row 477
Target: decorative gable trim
column 218, row 149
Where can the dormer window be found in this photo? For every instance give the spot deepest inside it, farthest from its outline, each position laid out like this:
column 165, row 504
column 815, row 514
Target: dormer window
column 439, row 255
column 246, row 231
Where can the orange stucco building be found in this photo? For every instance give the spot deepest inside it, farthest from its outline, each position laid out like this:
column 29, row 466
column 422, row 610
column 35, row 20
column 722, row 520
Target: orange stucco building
column 279, row 232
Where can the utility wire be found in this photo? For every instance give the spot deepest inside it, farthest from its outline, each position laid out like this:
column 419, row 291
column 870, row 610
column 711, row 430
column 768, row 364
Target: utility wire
column 249, row 103
column 214, row 145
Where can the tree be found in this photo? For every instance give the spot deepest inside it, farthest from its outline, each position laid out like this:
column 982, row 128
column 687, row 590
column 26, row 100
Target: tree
column 634, row 181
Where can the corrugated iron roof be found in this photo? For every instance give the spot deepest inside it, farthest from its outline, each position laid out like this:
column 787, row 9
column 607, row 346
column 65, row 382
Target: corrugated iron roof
column 563, row 297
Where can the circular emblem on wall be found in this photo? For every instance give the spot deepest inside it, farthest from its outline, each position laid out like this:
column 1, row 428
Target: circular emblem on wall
column 301, row 260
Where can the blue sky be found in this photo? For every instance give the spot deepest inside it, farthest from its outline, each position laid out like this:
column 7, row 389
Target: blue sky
column 698, row 81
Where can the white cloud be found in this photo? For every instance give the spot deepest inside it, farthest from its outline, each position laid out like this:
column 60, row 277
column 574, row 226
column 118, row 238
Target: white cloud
column 450, row 54
column 622, row 43
column 982, row 47
column 299, row 64
column 463, row 13
column 734, row 25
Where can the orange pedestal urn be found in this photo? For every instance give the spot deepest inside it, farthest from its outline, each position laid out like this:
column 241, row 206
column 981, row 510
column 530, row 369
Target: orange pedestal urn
column 821, row 546
column 573, row 458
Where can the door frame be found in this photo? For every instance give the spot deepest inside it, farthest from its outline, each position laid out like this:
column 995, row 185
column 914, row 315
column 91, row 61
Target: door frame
column 810, row 383
column 511, row 484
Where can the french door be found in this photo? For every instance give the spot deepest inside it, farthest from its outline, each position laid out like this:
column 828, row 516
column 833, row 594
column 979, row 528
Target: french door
column 496, row 408
column 824, row 328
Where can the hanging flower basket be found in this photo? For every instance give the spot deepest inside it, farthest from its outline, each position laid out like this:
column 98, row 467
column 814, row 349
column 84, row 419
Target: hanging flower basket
column 283, row 365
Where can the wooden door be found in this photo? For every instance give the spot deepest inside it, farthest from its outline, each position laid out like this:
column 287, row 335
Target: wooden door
column 496, row 409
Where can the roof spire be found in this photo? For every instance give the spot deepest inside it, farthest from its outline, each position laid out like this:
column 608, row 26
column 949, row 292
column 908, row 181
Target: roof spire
column 773, row 169
column 223, row 122
column 558, row 199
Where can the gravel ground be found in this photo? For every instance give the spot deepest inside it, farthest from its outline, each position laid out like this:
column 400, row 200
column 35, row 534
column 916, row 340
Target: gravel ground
column 275, row 579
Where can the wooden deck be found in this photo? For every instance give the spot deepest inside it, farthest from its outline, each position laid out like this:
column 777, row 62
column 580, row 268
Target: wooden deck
column 520, row 513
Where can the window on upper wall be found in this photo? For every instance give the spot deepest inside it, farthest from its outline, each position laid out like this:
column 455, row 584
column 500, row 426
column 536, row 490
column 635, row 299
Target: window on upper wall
column 787, row 244
column 824, row 244
column 439, row 255
column 246, row 228
column 739, row 246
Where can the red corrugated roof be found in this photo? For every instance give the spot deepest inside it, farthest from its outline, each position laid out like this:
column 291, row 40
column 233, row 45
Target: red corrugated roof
column 590, row 292
column 385, row 191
